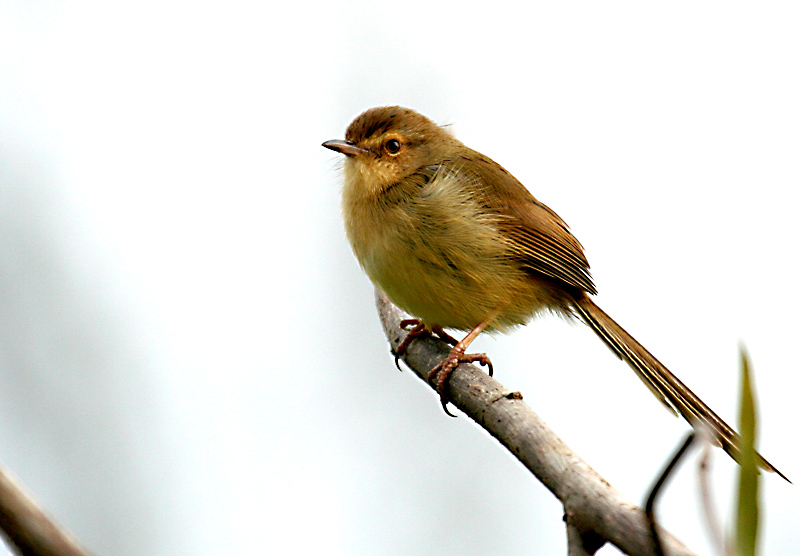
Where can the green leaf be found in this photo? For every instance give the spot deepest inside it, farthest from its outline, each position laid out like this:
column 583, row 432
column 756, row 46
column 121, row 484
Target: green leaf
column 747, row 510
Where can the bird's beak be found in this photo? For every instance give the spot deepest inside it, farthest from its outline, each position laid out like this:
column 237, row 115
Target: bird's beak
column 345, row 147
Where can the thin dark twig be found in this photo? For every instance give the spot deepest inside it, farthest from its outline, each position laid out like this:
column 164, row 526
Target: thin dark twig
column 656, row 490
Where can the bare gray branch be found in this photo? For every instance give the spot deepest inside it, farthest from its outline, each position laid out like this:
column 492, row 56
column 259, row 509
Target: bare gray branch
column 30, row 530
column 594, row 510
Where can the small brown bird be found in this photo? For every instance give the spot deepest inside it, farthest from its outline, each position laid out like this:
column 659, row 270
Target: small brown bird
column 454, row 239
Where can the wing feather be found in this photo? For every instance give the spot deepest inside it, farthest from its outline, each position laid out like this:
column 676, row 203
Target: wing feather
column 538, row 236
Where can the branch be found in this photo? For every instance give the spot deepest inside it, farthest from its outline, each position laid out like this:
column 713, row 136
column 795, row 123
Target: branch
column 649, row 507
column 28, row 528
column 594, row 511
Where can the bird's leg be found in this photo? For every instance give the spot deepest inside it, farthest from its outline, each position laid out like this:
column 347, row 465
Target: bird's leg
column 439, row 374
column 417, row 329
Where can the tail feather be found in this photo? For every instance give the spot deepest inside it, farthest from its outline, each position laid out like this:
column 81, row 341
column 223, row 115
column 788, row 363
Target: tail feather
column 661, row 382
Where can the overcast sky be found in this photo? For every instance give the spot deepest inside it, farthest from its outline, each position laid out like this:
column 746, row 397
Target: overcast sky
column 190, row 359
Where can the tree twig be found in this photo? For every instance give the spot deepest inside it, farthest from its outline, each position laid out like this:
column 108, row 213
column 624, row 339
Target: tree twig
column 650, row 504
column 582, row 543
column 29, row 529
column 592, row 508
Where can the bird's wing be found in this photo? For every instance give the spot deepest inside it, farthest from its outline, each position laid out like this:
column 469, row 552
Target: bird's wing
column 539, row 237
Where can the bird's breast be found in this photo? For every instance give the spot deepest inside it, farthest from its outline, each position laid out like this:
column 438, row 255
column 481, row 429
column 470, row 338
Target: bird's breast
column 440, row 255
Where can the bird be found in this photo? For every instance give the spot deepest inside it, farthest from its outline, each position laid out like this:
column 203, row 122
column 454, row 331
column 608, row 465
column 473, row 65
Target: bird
column 454, row 239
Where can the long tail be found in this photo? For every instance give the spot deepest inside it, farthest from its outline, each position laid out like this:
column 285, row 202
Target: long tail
column 662, row 383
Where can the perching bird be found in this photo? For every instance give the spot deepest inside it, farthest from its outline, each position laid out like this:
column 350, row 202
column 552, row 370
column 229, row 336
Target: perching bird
column 454, row 239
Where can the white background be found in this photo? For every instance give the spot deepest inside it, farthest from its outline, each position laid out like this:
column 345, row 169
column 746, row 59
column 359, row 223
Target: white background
column 190, row 359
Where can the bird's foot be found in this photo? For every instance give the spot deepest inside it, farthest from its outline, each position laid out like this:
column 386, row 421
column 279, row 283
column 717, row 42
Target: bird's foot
column 441, row 372
column 417, row 329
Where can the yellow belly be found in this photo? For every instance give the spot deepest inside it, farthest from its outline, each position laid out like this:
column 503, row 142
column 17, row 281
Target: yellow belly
column 442, row 259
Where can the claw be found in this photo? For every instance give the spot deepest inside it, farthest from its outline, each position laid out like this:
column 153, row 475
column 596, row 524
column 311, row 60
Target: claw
column 408, row 324
column 444, row 406
column 441, row 372
column 415, row 330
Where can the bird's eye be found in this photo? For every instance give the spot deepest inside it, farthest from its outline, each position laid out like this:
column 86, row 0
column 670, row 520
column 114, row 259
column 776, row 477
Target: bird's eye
column 393, row 146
